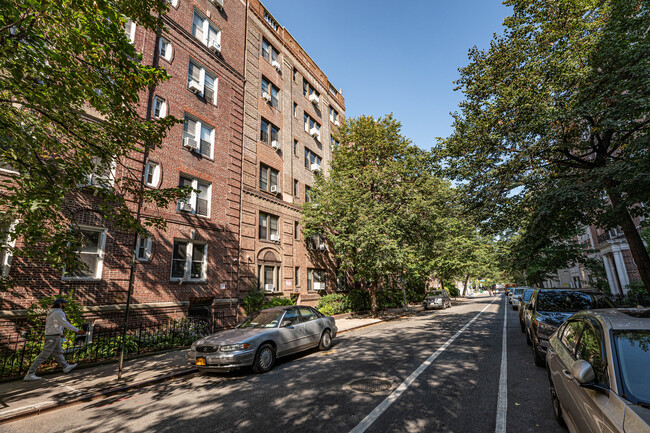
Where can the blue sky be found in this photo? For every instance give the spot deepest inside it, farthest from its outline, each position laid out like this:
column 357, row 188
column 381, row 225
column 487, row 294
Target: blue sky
column 394, row 56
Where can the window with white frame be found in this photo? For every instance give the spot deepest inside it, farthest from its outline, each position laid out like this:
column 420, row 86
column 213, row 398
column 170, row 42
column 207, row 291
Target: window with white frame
column 268, row 179
column 189, row 261
column 129, row 29
column 295, row 110
column 91, row 253
column 143, row 248
column 269, row 133
column 102, row 174
column 7, row 242
column 198, row 136
column 206, row 32
column 152, row 174
column 308, row 90
column 202, row 82
column 311, row 158
column 268, row 276
column 268, row 52
column 307, row 194
column 268, row 227
column 315, row 279
column 333, row 141
column 198, row 201
column 312, row 127
column 159, row 107
column 270, row 92
column 174, row 3
column 334, row 116
column 165, row 49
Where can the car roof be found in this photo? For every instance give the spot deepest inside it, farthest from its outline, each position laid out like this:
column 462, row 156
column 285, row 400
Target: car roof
column 284, row 307
column 622, row 318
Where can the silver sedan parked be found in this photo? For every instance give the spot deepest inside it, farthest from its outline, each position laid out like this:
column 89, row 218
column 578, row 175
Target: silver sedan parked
column 262, row 337
column 599, row 370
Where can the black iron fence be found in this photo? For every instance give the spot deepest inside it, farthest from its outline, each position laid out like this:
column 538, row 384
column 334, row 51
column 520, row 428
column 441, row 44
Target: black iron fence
column 631, row 300
column 103, row 343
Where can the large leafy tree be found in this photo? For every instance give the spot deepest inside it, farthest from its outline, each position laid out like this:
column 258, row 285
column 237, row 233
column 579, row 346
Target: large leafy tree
column 559, row 104
column 379, row 206
column 70, row 85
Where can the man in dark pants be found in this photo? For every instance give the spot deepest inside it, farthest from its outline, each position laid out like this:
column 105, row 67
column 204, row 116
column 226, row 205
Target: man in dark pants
column 54, row 324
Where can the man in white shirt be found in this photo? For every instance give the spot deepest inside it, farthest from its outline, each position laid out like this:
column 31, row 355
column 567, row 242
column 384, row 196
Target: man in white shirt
column 54, row 324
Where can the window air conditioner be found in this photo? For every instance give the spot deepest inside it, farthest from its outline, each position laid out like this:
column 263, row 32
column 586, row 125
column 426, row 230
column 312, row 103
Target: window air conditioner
column 217, row 3
column 319, row 286
column 275, row 238
column 268, row 287
column 275, row 189
column 337, row 123
column 214, row 46
column 266, row 96
column 195, row 87
column 276, row 65
column 184, row 206
column 190, row 143
column 315, row 167
column 313, row 98
column 315, row 133
column 275, row 144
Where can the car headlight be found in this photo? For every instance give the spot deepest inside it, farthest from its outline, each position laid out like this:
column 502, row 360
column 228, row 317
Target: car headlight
column 233, row 347
column 546, row 327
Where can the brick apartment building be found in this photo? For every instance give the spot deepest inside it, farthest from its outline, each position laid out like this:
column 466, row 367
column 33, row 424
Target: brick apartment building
column 291, row 115
column 258, row 120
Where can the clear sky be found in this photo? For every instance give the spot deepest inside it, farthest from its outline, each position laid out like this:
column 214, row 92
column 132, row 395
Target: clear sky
column 397, row 57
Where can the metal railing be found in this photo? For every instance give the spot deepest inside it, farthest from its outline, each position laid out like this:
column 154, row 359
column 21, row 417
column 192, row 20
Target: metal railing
column 103, row 343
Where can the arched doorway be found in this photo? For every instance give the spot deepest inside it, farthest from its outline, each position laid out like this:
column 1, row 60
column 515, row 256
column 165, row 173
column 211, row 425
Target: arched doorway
column 268, row 271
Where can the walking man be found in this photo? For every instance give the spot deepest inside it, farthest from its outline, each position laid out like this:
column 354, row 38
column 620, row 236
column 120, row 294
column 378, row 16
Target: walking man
column 54, row 324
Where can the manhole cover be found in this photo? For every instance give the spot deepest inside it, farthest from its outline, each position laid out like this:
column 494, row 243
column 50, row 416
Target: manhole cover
column 372, row 384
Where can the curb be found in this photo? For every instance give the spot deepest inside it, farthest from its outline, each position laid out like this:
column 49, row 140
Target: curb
column 39, row 408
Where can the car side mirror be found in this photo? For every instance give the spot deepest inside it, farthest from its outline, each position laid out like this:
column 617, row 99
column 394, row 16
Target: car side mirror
column 583, row 372
column 286, row 324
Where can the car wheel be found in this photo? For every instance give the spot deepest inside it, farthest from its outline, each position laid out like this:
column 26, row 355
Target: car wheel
column 514, row 307
column 264, row 359
column 528, row 340
column 538, row 357
column 557, row 409
column 325, row 340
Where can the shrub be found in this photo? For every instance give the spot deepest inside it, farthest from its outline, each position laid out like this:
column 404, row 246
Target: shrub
column 331, row 304
column 277, row 301
column 253, row 301
column 358, row 300
column 453, row 291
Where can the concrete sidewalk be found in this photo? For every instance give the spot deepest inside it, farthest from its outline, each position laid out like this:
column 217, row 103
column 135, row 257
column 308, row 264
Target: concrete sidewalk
column 19, row 398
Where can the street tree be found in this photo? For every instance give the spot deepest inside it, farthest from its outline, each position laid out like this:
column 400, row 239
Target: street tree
column 378, row 205
column 70, row 84
column 559, row 103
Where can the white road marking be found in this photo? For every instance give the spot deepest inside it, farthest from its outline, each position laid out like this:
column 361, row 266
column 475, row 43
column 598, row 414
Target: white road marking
column 388, row 401
column 502, row 401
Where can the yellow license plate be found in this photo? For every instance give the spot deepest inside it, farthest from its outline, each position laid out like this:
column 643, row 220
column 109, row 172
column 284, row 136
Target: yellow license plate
column 200, row 361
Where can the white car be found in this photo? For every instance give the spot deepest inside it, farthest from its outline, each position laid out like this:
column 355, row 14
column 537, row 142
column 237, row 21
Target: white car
column 515, row 296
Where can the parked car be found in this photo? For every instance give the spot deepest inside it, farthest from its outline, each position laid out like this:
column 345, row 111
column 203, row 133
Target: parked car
column 262, row 337
column 437, row 299
column 548, row 308
column 516, row 294
column 523, row 301
column 599, row 371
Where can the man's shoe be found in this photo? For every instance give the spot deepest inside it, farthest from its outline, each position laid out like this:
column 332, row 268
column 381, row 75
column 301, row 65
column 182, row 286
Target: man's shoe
column 29, row 377
column 69, row 367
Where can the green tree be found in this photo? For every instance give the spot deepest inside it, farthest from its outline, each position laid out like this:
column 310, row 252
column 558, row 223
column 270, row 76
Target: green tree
column 378, row 205
column 70, row 86
column 558, row 106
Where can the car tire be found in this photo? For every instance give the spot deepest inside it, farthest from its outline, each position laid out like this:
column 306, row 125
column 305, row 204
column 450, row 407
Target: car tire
column 264, row 359
column 325, row 340
column 539, row 359
column 557, row 408
column 528, row 340
column 514, row 307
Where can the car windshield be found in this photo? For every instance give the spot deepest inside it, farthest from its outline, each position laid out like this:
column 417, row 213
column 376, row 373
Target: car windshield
column 570, row 302
column 633, row 349
column 438, row 293
column 527, row 295
column 519, row 291
column 262, row 319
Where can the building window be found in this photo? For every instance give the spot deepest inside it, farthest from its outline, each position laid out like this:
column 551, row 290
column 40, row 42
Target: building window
column 198, row 136
column 91, row 253
column 294, row 74
column 7, row 242
column 297, row 276
column 202, row 83
column 312, row 161
column 295, row 110
column 206, row 32
column 295, row 147
column 159, row 109
column 269, row 53
column 268, row 277
column 296, row 230
column 197, row 203
column 334, row 116
column 309, row 92
column 152, row 174
column 129, row 29
column 312, row 127
column 270, row 92
column 269, row 134
column 102, row 175
column 315, row 279
column 307, row 194
column 189, row 261
column 315, row 242
column 268, row 227
column 165, row 49
column 143, row 249
column 295, row 188
column 268, row 179
column 333, row 141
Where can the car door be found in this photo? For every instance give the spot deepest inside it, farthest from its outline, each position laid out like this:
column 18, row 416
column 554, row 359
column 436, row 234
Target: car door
column 560, row 358
column 291, row 332
column 312, row 326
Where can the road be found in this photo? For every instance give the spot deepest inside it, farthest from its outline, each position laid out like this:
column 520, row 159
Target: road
column 438, row 371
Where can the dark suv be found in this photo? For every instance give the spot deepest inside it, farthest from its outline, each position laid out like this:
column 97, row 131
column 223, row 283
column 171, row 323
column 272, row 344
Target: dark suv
column 548, row 308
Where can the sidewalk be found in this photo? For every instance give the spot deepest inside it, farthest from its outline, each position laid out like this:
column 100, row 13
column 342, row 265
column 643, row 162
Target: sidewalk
column 19, row 398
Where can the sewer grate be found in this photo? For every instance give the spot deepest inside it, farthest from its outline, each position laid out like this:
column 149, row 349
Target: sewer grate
column 372, row 384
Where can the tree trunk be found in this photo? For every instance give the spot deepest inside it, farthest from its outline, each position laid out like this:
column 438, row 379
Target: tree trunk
column 541, row 280
column 465, row 285
column 633, row 237
column 373, row 298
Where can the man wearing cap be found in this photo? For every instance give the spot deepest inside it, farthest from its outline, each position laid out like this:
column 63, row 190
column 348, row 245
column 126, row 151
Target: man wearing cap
column 54, row 324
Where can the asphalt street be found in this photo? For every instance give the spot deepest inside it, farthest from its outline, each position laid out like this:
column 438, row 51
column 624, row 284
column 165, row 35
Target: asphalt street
column 438, row 371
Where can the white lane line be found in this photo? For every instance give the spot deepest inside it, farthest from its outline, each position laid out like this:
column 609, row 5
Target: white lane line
column 388, row 401
column 502, row 401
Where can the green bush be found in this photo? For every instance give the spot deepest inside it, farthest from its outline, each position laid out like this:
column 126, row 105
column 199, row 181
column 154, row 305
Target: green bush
column 277, row 301
column 335, row 303
column 358, row 300
column 253, row 301
column 453, row 291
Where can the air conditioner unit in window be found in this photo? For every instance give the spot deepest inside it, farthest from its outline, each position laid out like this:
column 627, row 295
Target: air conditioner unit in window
column 319, row 286
column 276, row 65
column 184, row 206
column 315, row 133
column 276, row 189
column 195, row 87
column 268, row 287
column 315, row 167
column 337, row 123
column 190, row 143
column 217, row 3
column 275, row 238
column 266, row 96
column 214, row 46
column 275, row 144
column 313, row 98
